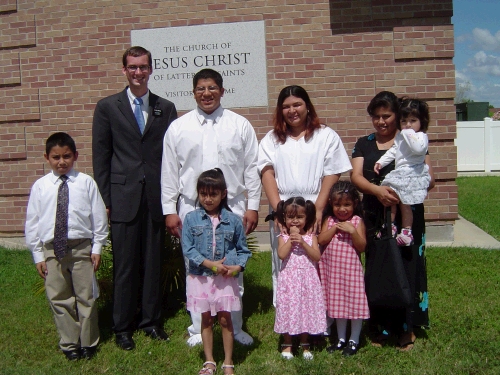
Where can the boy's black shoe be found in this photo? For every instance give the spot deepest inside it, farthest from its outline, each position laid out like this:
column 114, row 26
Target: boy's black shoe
column 124, row 340
column 72, row 355
column 156, row 333
column 351, row 349
column 88, row 352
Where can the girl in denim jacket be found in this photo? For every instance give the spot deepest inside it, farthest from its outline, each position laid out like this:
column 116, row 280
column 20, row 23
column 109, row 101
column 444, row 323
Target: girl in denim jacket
column 214, row 242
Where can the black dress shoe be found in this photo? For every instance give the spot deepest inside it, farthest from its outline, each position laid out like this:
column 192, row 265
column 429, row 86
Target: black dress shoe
column 156, row 333
column 341, row 344
column 351, row 349
column 88, row 352
column 124, row 340
column 72, row 355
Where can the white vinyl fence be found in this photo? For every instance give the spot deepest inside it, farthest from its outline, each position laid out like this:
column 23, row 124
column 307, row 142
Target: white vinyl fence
column 478, row 146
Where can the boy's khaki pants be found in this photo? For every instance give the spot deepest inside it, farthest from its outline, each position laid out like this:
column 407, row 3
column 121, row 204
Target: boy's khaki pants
column 68, row 285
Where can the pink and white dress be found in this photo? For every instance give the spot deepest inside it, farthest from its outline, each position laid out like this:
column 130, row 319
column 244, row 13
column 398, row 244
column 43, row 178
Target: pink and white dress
column 342, row 276
column 300, row 306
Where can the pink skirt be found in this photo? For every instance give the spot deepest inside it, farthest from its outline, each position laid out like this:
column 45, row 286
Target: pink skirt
column 212, row 293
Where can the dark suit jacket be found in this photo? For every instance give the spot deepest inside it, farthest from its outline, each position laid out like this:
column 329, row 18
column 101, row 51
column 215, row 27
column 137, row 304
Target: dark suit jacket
column 124, row 160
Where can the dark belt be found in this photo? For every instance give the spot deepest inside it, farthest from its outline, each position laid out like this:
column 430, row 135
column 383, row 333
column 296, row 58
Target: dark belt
column 75, row 243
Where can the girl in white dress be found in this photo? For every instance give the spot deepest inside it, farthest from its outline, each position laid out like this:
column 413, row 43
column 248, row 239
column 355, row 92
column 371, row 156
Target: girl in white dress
column 410, row 179
column 299, row 157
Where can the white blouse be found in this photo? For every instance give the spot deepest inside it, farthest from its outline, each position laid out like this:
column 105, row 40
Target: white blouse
column 300, row 166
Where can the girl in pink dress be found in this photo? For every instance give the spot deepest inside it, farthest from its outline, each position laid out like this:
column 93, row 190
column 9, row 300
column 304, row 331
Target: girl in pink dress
column 300, row 307
column 344, row 235
column 214, row 242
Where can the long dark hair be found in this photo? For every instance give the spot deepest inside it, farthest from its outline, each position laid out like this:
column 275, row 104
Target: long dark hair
column 279, row 123
column 292, row 204
column 338, row 191
column 213, row 180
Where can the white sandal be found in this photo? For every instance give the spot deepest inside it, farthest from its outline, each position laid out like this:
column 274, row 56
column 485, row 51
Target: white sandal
column 286, row 355
column 206, row 370
column 224, row 366
column 306, row 354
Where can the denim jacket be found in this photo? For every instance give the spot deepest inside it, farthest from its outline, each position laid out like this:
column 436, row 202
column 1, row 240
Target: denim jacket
column 230, row 239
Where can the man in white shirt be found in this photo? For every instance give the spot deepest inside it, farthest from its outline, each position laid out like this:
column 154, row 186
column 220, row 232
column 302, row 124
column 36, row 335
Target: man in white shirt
column 208, row 137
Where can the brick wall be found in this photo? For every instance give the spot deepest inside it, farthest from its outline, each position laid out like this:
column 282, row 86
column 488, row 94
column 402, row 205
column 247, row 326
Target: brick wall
column 60, row 56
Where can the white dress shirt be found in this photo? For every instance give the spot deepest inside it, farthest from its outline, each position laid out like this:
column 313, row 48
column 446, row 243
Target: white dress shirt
column 299, row 166
column 144, row 106
column 87, row 216
column 182, row 163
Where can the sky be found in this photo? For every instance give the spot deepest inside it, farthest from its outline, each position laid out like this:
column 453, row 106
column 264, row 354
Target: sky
column 477, row 49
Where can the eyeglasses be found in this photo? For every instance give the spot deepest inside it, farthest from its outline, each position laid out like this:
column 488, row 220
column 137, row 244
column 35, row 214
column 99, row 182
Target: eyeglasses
column 133, row 68
column 201, row 90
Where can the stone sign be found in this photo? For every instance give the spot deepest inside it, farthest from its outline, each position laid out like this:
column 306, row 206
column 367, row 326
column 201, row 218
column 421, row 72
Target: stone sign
column 236, row 50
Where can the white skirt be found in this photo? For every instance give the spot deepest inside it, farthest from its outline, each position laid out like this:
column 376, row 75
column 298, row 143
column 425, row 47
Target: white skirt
column 410, row 182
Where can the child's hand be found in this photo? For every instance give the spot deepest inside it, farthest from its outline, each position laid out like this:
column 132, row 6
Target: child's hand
column 346, row 226
column 218, row 267
column 377, row 168
column 233, row 271
column 295, row 236
column 96, row 261
column 41, row 267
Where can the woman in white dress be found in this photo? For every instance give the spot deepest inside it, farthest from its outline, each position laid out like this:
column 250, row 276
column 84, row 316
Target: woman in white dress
column 299, row 157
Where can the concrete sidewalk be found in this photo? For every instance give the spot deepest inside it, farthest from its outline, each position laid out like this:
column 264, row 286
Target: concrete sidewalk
column 466, row 234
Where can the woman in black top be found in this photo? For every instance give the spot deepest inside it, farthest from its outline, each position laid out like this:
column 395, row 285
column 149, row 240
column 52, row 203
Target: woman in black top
column 384, row 112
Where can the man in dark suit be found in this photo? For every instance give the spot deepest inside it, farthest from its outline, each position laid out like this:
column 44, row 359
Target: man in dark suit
column 127, row 136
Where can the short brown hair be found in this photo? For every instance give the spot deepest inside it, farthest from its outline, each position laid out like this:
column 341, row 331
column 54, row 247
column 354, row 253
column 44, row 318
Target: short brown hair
column 137, row 51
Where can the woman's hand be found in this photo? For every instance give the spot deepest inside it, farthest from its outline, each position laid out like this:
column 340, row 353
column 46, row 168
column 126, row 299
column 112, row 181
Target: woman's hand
column 278, row 228
column 386, row 196
column 317, row 224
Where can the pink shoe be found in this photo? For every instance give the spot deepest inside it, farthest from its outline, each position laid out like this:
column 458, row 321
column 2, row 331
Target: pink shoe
column 405, row 238
column 394, row 230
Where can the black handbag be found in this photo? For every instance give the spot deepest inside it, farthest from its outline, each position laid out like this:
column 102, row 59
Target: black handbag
column 385, row 277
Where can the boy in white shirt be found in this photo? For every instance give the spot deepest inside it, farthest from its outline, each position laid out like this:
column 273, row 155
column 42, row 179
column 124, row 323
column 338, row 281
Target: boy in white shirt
column 66, row 227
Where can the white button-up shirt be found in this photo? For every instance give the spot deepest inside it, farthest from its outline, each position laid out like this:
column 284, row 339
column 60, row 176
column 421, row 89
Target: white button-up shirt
column 182, row 163
column 87, row 216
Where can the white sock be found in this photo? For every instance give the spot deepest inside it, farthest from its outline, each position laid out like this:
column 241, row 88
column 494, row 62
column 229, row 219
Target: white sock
column 341, row 328
column 356, row 325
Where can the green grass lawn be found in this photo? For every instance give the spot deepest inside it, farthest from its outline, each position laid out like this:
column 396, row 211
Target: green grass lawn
column 464, row 309
column 463, row 339
column 479, row 202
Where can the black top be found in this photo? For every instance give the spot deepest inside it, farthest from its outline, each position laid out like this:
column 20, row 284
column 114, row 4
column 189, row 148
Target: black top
column 366, row 147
